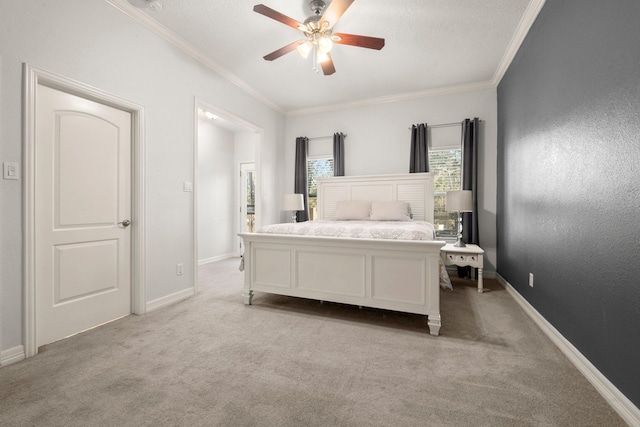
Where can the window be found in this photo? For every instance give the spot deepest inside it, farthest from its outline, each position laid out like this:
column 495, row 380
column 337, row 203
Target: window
column 446, row 166
column 445, row 162
column 318, row 167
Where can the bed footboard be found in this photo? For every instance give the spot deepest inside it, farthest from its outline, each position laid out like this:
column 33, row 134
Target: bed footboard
column 387, row 274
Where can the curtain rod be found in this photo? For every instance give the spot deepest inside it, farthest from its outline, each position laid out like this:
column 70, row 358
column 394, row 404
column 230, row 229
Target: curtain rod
column 442, row 125
column 324, row 137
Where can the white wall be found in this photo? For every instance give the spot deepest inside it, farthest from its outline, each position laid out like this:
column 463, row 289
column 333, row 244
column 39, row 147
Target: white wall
column 216, row 195
column 245, row 147
column 92, row 42
column 378, row 142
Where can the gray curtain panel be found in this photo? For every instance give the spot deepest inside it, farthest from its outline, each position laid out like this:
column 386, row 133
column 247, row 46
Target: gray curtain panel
column 300, row 179
column 338, row 154
column 470, row 178
column 419, row 161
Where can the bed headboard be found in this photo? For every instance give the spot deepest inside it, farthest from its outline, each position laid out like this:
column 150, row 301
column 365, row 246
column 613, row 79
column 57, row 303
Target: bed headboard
column 415, row 188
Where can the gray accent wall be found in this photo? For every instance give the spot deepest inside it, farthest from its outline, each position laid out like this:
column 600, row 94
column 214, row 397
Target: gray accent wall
column 568, row 202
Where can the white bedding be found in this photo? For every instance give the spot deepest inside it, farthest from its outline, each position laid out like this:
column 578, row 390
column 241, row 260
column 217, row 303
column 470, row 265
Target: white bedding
column 389, row 230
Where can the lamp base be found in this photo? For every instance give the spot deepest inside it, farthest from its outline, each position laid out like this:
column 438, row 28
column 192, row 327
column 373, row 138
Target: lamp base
column 459, row 243
column 294, row 218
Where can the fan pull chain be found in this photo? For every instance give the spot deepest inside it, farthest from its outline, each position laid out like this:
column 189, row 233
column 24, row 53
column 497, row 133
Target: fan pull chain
column 316, row 68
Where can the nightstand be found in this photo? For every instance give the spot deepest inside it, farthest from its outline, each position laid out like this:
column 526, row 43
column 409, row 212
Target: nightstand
column 470, row 255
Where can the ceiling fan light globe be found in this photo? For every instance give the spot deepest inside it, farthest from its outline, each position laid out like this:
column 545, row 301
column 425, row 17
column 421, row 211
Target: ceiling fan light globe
column 322, row 57
column 304, row 48
column 325, row 44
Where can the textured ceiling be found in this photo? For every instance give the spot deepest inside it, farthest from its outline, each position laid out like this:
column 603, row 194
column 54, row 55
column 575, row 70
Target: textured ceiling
column 430, row 44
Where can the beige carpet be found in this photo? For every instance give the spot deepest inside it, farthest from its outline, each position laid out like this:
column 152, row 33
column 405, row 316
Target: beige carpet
column 211, row 361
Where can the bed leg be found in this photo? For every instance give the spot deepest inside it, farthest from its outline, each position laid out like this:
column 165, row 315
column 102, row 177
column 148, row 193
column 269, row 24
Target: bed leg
column 248, row 296
column 434, row 324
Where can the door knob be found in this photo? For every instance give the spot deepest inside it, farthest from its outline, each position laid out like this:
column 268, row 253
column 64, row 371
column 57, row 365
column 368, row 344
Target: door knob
column 125, row 223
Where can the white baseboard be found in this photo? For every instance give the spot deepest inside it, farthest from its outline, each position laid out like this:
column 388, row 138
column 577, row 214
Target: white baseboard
column 12, row 355
column 169, row 299
column 618, row 401
column 489, row 274
column 216, row 259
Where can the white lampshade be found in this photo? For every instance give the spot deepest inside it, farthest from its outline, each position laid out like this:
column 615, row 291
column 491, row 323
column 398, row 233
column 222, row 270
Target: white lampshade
column 293, row 202
column 325, row 44
column 304, row 48
column 322, row 57
column 459, row 200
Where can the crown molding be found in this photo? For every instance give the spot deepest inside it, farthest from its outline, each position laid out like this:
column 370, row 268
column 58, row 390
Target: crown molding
column 525, row 24
column 142, row 18
column 447, row 90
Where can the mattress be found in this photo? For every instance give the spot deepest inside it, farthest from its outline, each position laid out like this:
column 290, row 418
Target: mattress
column 387, row 230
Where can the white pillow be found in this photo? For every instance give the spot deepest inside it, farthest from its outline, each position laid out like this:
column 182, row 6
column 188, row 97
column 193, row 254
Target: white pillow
column 347, row 210
column 390, row 211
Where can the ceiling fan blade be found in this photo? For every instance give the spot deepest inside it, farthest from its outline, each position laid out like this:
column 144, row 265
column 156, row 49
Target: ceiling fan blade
column 327, row 66
column 282, row 51
column 274, row 14
column 360, row 41
column 334, row 12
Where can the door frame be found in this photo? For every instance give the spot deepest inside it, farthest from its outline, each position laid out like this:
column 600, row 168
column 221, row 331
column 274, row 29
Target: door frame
column 199, row 103
column 32, row 77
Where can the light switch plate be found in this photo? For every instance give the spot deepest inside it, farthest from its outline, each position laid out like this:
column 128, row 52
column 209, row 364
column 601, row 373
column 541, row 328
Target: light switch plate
column 10, row 170
column 188, row 186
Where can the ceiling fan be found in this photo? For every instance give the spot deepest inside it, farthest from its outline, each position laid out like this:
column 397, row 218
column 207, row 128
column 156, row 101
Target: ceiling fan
column 151, row 4
column 318, row 30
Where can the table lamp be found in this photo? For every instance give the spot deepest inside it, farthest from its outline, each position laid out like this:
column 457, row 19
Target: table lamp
column 459, row 201
column 293, row 203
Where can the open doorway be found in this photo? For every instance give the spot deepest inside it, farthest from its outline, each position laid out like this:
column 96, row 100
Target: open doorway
column 226, row 152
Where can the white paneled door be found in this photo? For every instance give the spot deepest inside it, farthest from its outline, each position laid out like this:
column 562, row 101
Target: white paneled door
column 82, row 214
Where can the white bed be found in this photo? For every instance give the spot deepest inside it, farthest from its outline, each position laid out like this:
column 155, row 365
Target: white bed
column 400, row 275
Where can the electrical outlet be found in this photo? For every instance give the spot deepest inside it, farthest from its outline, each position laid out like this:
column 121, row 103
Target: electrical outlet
column 179, row 269
column 531, row 279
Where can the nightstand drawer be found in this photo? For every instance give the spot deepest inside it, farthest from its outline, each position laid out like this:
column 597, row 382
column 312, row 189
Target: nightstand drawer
column 462, row 258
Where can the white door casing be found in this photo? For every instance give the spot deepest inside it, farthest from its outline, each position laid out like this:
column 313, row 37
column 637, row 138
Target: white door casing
column 83, row 168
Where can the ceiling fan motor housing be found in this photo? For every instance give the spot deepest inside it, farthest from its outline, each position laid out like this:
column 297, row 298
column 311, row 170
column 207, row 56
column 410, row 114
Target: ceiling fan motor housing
column 317, row 6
